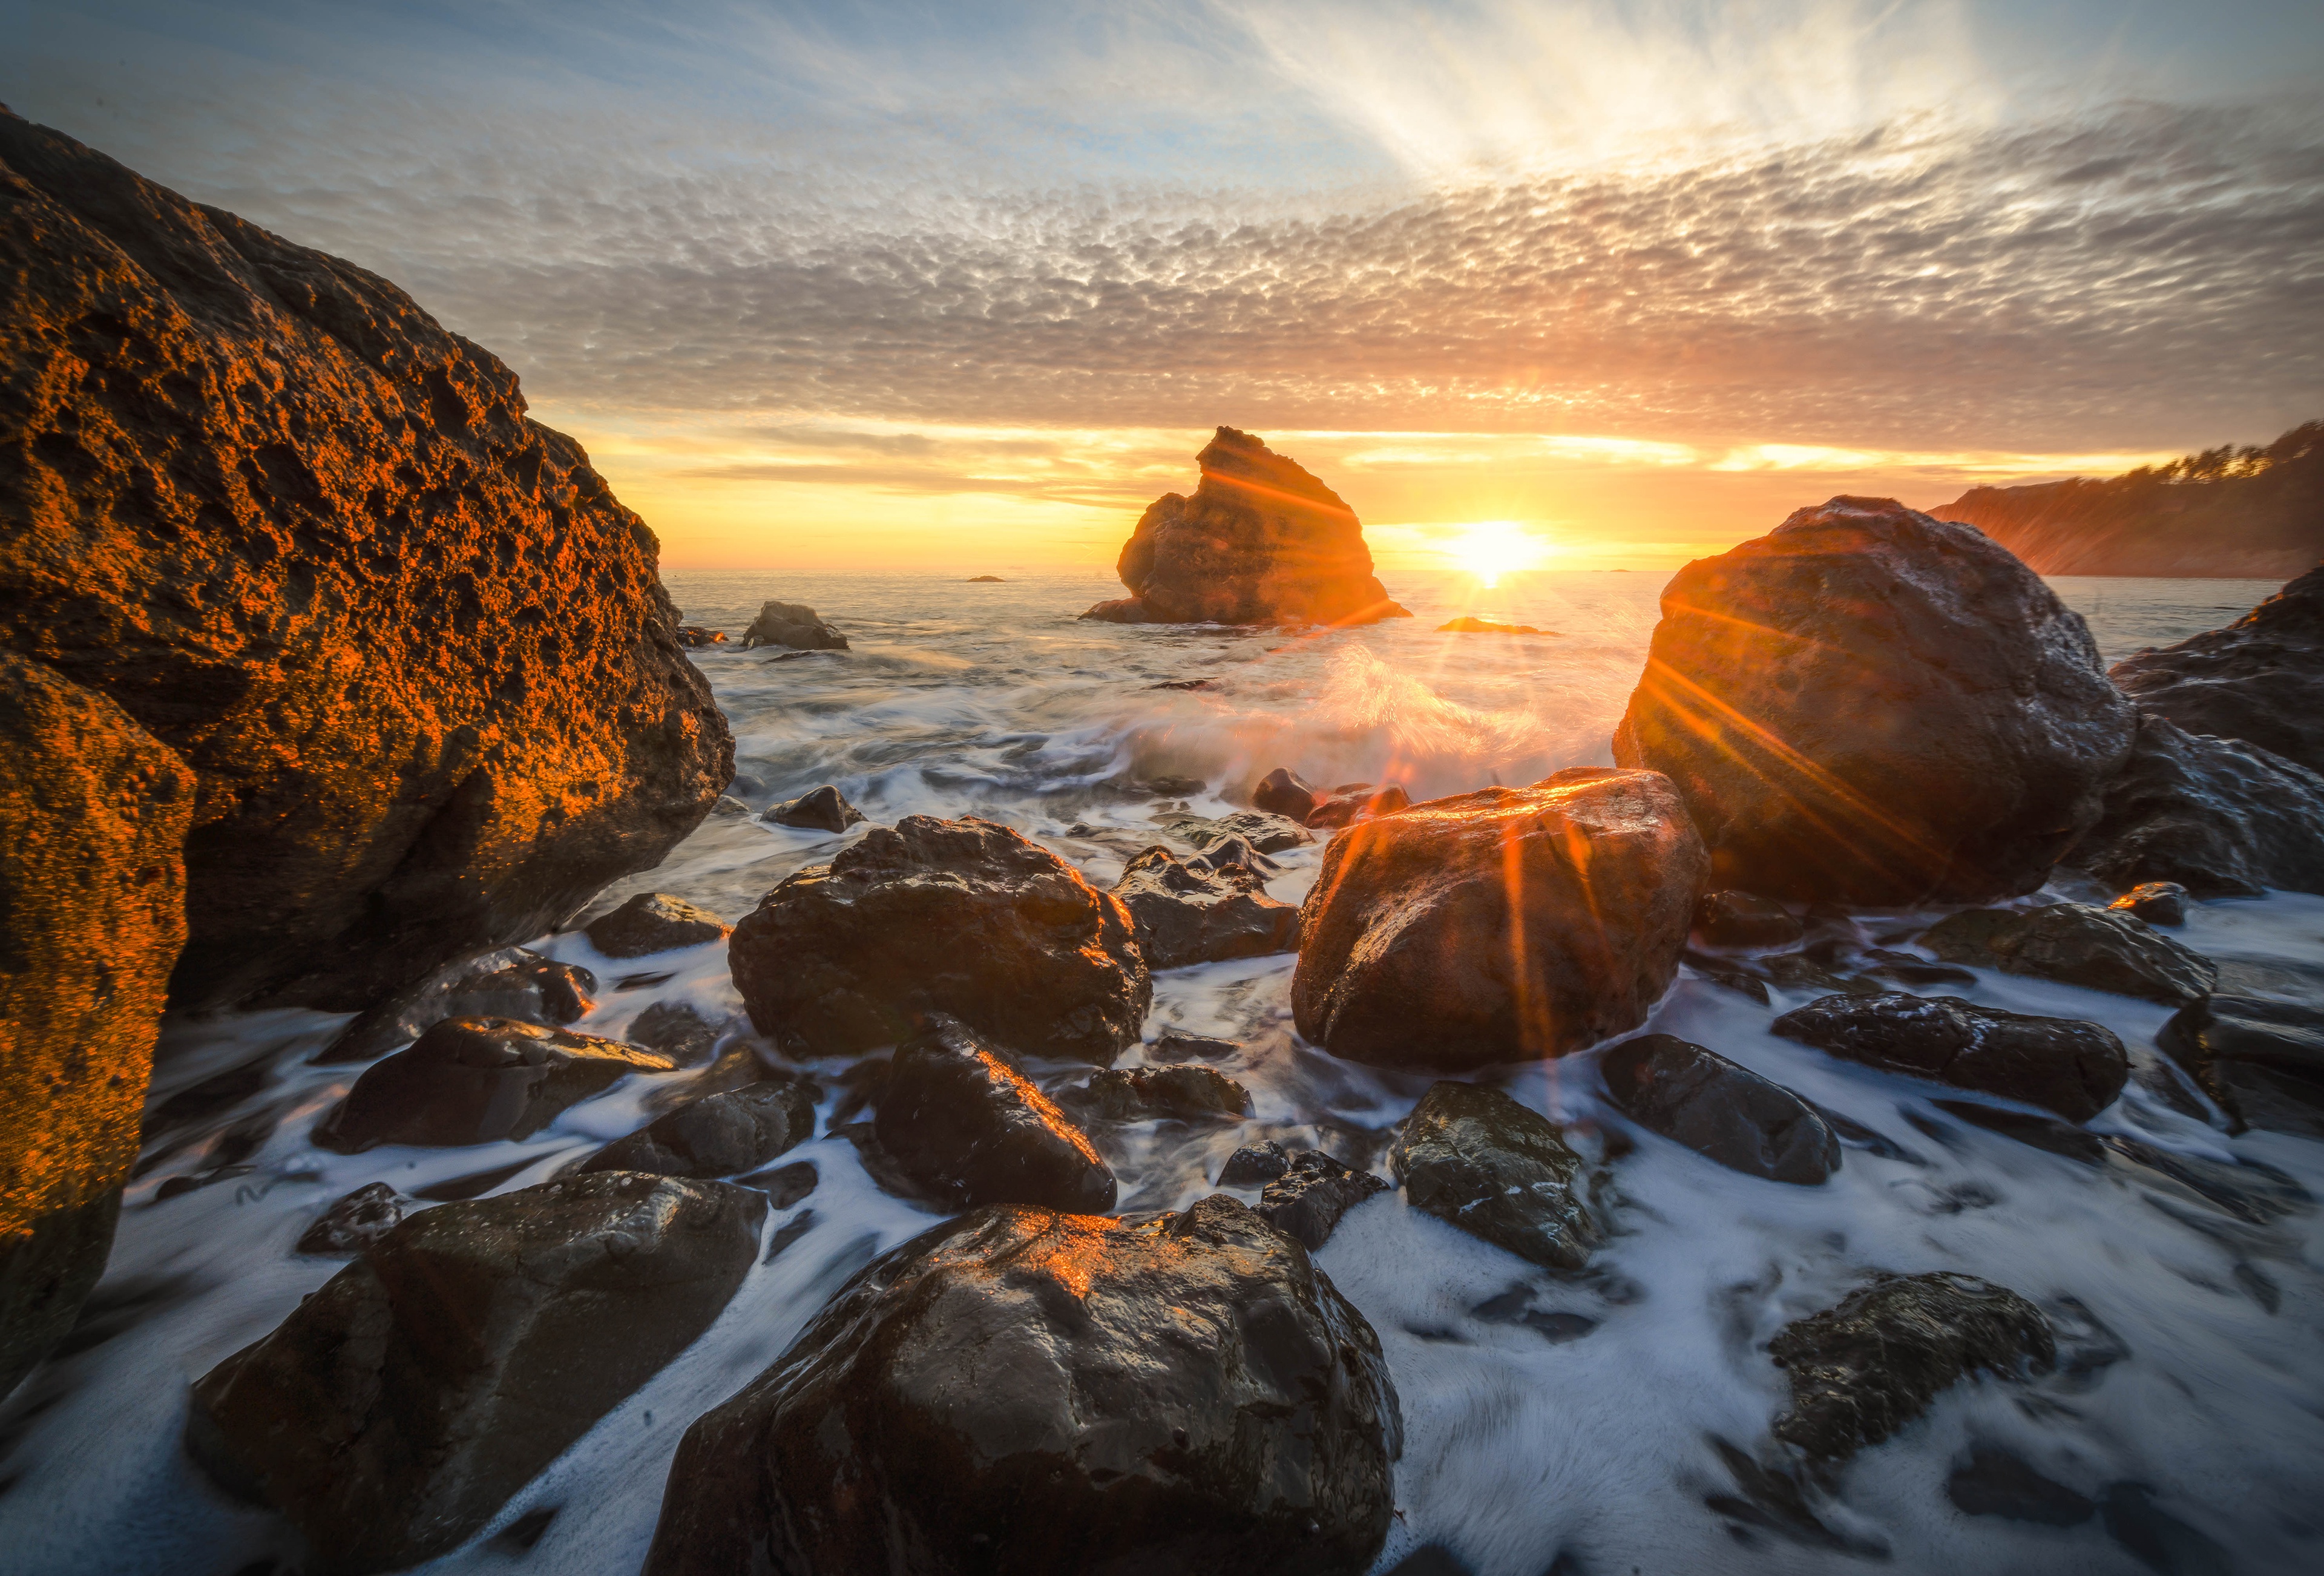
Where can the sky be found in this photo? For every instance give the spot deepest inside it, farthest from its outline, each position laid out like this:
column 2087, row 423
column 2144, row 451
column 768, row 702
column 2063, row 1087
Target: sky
column 963, row 286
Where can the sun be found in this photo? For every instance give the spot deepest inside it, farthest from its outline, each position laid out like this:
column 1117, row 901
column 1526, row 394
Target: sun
column 1490, row 549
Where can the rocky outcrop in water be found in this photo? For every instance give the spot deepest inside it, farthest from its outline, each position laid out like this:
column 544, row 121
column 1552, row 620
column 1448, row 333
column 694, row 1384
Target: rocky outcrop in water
column 2068, row 1067
column 1187, row 1091
column 1260, row 542
column 1202, row 911
column 964, row 917
column 2074, row 944
column 1499, row 1170
column 1870, row 706
column 823, row 809
column 1310, row 1194
column 793, row 624
column 718, row 1135
column 653, row 922
column 2260, row 678
column 964, row 1123
column 397, row 1409
column 476, row 1080
column 1500, row 924
column 2222, row 818
column 511, row 981
column 2262, row 1060
column 1099, row 1432
column 1697, row 1097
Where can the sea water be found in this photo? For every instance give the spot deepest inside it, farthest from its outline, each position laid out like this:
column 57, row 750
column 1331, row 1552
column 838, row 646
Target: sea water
column 1583, row 1424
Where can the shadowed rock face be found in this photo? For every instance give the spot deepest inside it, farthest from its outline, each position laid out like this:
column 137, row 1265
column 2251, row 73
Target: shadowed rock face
column 2100, row 949
column 1260, row 542
column 1042, row 1394
column 966, row 1124
column 2262, row 1060
column 476, row 1080
column 1699, row 1097
column 719, row 1135
column 2073, row 1068
column 413, row 649
column 1499, row 1171
column 2260, row 678
column 1871, row 707
column 1202, row 911
column 2222, row 818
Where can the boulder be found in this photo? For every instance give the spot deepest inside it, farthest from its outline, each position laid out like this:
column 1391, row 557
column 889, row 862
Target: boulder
column 414, row 649
column 395, row 1412
column 653, row 922
column 1255, row 1164
column 1307, row 1197
column 1264, row 831
column 511, row 982
column 1131, row 1094
column 1874, row 707
column 1499, row 1171
column 2155, row 902
column 93, row 816
column 2260, row 678
column 823, row 809
column 719, row 1135
column 2074, row 944
column 1042, row 1394
column 1283, row 792
column 1356, row 801
column 1173, row 1046
column 1189, row 912
column 1260, row 542
column 2220, row 816
column 964, row 1122
column 793, row 624
column 1864, row 1369
column 1498, row 926
column 354, row 1222
column 2262, row 1060
column 962, row 917
column 676, row 1030
column 1695, row 1097
column 2073, row 1068
column 1485, row 626
column 476, row 1080
column 1741, row 920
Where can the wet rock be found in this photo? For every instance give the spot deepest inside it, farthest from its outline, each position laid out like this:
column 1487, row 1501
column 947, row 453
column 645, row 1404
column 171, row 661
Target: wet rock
column 719, row 1135
column 1485, row 626
column 1228, row 852
column 1097, row 1436
column 2100, row 949
column 962, row 917
column 1864, row 1369
column 395, row 1411
column 476, row 1080
column 512, row 982
column 2222, row 818
column 785, row 1185
column 2260, row 678
column 2042, row 1132
column 1911, row 969
column 1131, row 1094
column 968, row 1126
column 793, row 624
column 412, row 645
column 1311, row 1194
column 727, row 808
column 2155, row 902
column 653, row 922
column 1740, row 919
column 1499, row 1171
column 1874, row 707
column 1260, row 542
column 1283, row 792
column 675, row 1030
column 1728, row 974
column 1190, row 913
column 2262, row 1060
column 693, row 637
column 1356, row 801
column 1256, row 830
column 1268, row 833
column 1995, row 1482
column 1173, row 1047
column 2073, row 1068
column 1694, row 1097
column 1254, row 1165
column 354, row 1222
column 1406, row 952
column 821, row 809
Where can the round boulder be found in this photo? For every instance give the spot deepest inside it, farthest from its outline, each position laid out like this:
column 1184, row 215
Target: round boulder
column 653, row 922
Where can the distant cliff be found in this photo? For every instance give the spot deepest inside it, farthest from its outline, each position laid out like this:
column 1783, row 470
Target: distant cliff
column 2256, row 512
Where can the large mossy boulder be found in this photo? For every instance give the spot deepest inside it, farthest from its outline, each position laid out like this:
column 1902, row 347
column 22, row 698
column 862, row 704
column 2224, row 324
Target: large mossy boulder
column 1867, row 706
column 1499, row 1170
column 394, row 1411
column 412, row 647
column 1696, row 1097
column 2075, row 944
column 2074, row 1068
column 1202, row 911
column 478, row 1080
column 961, row 1118
column 2260, row 678
column 2221, row 817
column 965, row 918
column 1049, row 1393
column 1498, row 926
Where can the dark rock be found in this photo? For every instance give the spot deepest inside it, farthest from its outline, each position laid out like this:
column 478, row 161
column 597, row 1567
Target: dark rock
column 1728, row 974
column 962, row 917
column 821, row 809
column 475, row 1184
column 1498, row 1170
column 1995, row 1482
column 986, row 580
column 2261, row 678
column 1864, row 1369
column 1877, row 708
column 693, row 637
column 474, row 1080
column 1697, row 1098
column 2073, row 1068
column 513, row 982
column 1254, row 1165
column 964, row 1123
column 1129, row 1094
column 1176, row 1048
column 675, row 1030
column 1260, row 542
column 1178, row 683
column 1261, row 830
column 354, row 1222
column 1283, row 792
column 785, row 1185
column 653, row 922
column 2160, row 1540
column 1227, row 851
column 1910, row 969
column 2221, row 817
column 793, row 624
column 1485, row 626
column 1097, row 1435
column 1406, row 953
column 1187, row 913
column 2042, row 1132
column 395, row 1411
column 2156, row 903
column 719, row 1135
column 1741, row 920
column 2100, row 949
column 1357, row 801
column 410, row 642
column 1311, row 1194
column 2262, row 1060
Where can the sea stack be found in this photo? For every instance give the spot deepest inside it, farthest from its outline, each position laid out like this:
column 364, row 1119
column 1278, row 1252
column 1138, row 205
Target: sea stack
column 1260, row 542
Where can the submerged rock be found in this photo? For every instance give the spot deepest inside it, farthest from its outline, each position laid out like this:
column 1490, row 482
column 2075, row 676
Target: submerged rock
column 962, row 917
column 1129, row 1094
column 2260, row 678
column 823, row 809
column 2074, row 1068
column 719, row 1135
column 793, row 624
column 1874, row 707
column 1998, row 1482
column 512, row 982
column 354, row 1222
column 2100, row 949
column 476, row 1080
column 1499, row 1171
column 1307, row 1197
column 395, row 1411
column 1730, row 1114
column 1173, row 1046
column 1183, row 1393
column 653, row 922
column 2155, row 902
column 1864, row 1369
column 1191, row 912
column 1260, row 542
column 965, row 1123
column 1407, row 951
column 1743, row 920
column 2262, row 1060
column 2220, row 816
